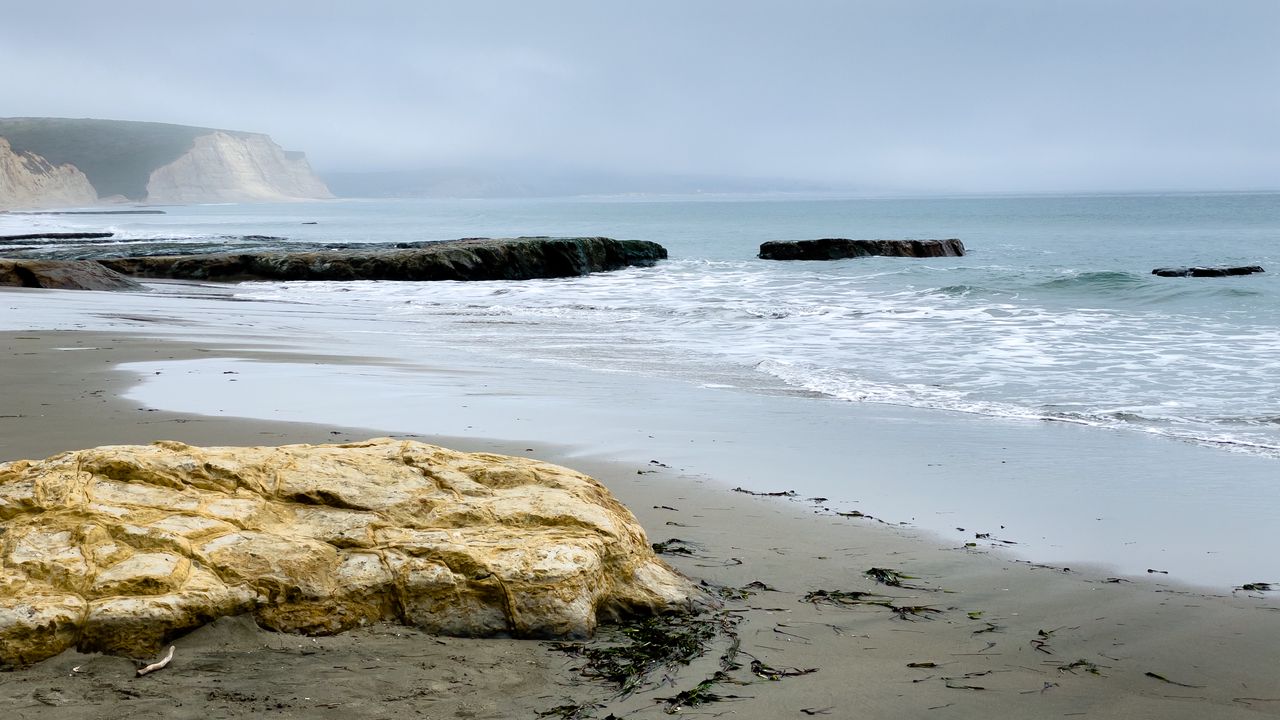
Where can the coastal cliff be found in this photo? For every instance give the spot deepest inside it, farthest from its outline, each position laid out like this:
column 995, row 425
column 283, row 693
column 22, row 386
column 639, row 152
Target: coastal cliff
column 29, row 180
column 151, row 162
column 244, row 167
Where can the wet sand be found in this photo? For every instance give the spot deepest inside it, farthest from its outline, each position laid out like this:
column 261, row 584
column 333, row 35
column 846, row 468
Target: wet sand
column 990, row 637
column 1067, row 494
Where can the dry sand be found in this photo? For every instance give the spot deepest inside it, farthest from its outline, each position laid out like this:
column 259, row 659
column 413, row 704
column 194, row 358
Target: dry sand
column 1008, row 639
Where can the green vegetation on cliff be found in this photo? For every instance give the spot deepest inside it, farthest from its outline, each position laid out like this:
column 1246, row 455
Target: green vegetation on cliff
column 118, row 156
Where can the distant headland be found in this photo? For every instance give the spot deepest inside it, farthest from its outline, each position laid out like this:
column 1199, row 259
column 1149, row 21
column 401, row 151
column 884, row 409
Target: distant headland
column 62, row 162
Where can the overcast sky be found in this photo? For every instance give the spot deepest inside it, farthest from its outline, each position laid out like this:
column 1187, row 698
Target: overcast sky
column 978, row 95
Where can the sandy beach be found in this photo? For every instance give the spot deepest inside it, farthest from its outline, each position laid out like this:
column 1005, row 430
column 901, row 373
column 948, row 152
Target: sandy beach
column 722, row 359
column 971, row 632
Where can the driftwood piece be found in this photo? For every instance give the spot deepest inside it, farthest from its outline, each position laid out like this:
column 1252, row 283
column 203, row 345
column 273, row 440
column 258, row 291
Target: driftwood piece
column 156, row 665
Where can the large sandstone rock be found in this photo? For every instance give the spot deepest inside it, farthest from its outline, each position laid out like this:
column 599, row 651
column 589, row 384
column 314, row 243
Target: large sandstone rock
column 837, row 248
column 119, row 549
column 62, row 275
column 472, row 259
column 28, row 180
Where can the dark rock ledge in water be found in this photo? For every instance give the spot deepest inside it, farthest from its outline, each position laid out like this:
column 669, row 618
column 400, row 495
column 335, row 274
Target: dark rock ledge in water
column 1208, row 271
column 838, row 248
column 62, row 275
column 470, row 259
column 58, row 236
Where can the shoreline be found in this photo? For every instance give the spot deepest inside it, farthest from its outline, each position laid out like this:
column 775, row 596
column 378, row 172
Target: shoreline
column 1054, row 493
column 1066, row 494
column 1218, row 643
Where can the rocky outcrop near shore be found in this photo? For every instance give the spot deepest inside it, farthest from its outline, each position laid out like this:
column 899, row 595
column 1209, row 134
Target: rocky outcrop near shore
column 838, row 248
column 57, row 236
column 473, row 259
column 28, row 180
column 244, row 167
column 1229, row 271
column 120, row 549
column 62, row 275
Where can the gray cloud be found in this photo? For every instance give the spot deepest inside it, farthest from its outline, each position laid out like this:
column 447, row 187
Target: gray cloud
column 926, row 95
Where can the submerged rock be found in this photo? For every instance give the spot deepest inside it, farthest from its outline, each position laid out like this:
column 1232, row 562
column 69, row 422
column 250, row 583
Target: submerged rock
column 119, row 549
column 1208, row 271
column 837, row 248
column 62, row 275
column 471, row 259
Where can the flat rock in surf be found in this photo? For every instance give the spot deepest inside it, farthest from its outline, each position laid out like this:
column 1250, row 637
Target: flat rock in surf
column 469, row 259
column 58, row 236
column 62, row 275
column 839, row 248
column 89, row 212
column 1208, row 271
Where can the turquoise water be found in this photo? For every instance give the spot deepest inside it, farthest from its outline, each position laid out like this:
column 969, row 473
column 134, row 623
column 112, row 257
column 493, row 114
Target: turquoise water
column 1053, row 315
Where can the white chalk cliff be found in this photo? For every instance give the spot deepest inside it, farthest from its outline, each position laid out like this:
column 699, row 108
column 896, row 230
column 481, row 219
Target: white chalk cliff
column 235, row 167
column 28, row 180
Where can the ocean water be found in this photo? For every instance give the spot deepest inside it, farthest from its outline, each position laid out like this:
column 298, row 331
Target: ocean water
column 1052, row 315
column 1045, row 388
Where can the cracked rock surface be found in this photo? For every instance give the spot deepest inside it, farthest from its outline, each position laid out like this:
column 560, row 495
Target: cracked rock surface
column 120, row 548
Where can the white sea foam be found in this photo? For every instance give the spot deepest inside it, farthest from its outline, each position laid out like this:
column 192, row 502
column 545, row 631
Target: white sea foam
column 1054, row 314
column 862, row 338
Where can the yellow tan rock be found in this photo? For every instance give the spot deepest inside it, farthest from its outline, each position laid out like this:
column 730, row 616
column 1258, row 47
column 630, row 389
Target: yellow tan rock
column 142, row 574
column 39, row 623
column 119, row 549
column 138, row 625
